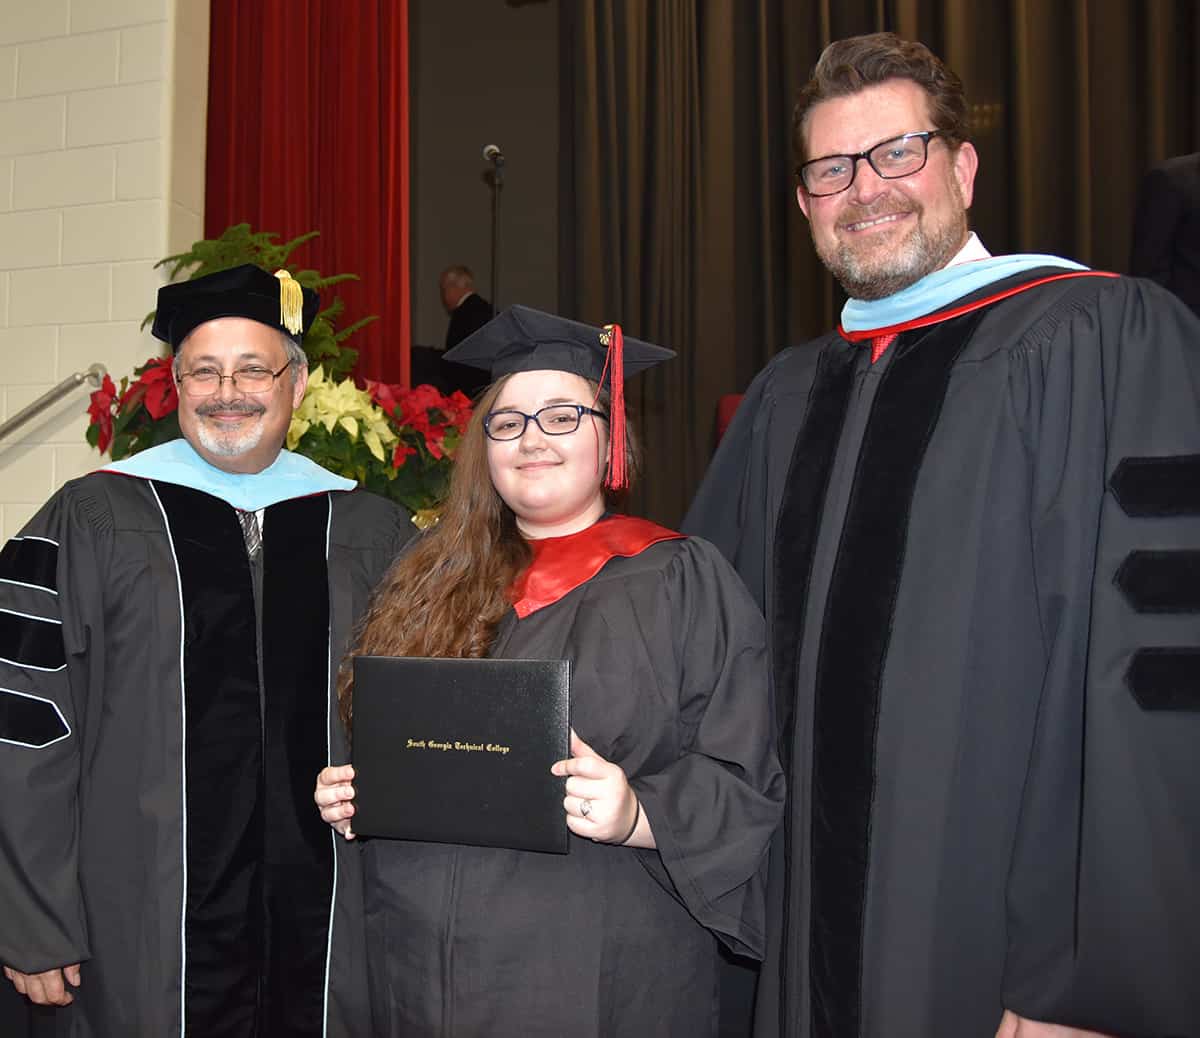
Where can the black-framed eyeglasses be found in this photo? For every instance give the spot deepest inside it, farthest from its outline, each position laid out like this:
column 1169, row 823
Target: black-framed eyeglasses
column 206, row 381
column 554, row 420
column 891, row 159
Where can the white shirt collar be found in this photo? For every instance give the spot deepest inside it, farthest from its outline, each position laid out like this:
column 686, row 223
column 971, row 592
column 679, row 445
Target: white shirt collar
column 972, row 250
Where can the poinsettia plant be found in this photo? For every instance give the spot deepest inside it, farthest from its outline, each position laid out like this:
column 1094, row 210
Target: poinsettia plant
column 429, row 427
column 143, row 413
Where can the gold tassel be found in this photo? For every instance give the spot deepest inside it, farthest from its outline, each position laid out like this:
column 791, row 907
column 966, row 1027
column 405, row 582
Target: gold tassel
column 291, row 302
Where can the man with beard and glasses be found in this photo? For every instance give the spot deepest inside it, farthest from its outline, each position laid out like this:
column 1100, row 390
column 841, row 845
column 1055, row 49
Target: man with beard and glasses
column 972, row 518
column 170, row 628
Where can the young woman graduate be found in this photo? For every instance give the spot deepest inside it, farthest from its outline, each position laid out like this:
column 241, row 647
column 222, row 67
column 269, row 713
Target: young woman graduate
column 672, row 789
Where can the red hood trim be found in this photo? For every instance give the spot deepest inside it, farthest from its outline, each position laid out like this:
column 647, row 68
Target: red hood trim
column 966, row 308
column 561, row 564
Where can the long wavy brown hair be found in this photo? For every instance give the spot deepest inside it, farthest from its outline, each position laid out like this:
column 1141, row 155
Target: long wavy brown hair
column 447, row 594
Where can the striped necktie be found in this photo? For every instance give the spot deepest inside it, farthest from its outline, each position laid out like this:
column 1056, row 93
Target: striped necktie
column 250, row 531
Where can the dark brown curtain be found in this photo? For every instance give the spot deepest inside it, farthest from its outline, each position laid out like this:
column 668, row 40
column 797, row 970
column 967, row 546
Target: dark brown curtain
column 678, row 217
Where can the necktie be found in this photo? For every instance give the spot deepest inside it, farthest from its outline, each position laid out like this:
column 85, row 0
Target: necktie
column 250, row 531
column 879, row 345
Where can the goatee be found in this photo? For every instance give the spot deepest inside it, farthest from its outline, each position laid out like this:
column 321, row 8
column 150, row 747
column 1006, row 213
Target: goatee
column 922, row 252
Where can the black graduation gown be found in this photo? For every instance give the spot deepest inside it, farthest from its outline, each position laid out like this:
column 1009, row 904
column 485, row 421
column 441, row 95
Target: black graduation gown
column 978, row 562
column 158, row 823
column 668, row 680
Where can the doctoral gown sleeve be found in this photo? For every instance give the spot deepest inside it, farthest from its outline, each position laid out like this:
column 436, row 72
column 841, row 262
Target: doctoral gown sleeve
column 1103, row 909
column 714, row 809
column 728, row 509
column 51, row 633
column 736, row 504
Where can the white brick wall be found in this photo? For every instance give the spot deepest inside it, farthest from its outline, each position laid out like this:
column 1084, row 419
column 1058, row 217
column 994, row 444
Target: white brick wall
column 102, row 109
column 37, row 124
column 8, row 72
column 62, row 178
column 33, row 21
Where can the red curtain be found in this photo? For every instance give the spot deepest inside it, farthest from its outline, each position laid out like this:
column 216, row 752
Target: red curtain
column 308, row 130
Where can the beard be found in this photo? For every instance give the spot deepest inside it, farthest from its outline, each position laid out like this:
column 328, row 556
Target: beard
column 229, row 443
column 878, row 273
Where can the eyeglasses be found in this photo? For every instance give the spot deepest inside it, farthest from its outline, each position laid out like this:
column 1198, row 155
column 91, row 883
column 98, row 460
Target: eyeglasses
column 896, row 157
column 206, row 381
column 555, row 420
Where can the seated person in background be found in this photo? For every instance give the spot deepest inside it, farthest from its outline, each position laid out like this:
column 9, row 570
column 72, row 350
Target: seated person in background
column 673, row 787
column 468, row 310
column 468, row 313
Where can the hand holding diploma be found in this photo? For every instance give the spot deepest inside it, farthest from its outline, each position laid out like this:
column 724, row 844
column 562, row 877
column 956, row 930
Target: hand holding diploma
column 334, row 796
column 600, row 804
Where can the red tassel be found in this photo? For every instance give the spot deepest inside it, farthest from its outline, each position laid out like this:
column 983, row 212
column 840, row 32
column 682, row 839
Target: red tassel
column 614, row 364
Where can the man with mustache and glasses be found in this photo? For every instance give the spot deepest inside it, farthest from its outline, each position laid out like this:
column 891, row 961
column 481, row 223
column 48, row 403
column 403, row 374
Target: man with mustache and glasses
column 169, row 631
column 972, row 518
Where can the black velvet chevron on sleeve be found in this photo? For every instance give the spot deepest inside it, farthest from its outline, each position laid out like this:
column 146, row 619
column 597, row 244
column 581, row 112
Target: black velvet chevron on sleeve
column 29, row 720
column 1159, row 486
column 30, row 560
column 1161, row 581
column 1165, row 678
column 30, row 641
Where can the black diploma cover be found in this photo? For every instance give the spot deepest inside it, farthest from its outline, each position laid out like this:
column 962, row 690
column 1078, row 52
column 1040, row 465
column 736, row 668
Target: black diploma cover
column 459, row 751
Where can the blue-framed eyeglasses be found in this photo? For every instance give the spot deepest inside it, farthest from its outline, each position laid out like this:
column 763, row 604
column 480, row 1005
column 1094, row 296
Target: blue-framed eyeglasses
column 554, row 420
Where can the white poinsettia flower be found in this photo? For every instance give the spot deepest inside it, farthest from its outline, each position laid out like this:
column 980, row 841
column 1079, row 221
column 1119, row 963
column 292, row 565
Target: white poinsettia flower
column 296, row 430
column 373, row 442
column 341, row 405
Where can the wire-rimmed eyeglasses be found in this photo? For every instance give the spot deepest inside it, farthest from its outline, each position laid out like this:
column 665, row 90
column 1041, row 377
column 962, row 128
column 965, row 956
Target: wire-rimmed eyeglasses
column 891, row 159
column 206, row 381
column 553, row 420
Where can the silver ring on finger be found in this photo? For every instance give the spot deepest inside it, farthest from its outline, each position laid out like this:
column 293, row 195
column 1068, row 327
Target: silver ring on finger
column 585, row 808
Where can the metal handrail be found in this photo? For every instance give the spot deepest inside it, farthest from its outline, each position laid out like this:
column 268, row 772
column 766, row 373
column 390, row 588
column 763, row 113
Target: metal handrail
column 94, row 376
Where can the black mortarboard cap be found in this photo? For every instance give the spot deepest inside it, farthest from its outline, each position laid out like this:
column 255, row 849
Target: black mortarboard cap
column 524, row 339
column 276, row 300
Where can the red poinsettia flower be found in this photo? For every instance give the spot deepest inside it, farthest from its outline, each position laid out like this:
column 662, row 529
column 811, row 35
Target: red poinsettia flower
column 458, row 408
column 161, row 397
column 100, row 412
column 415, row 418
column 401, row 454
column 154, row 387
column 383, row 394
column 424, row 412
column 424, row 397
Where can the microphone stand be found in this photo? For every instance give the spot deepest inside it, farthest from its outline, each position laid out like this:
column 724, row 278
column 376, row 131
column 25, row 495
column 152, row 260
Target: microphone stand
column 495, row 178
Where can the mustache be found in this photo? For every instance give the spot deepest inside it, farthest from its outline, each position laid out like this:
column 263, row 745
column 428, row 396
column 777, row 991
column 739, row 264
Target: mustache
column 860, row 213
column 230, row 407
